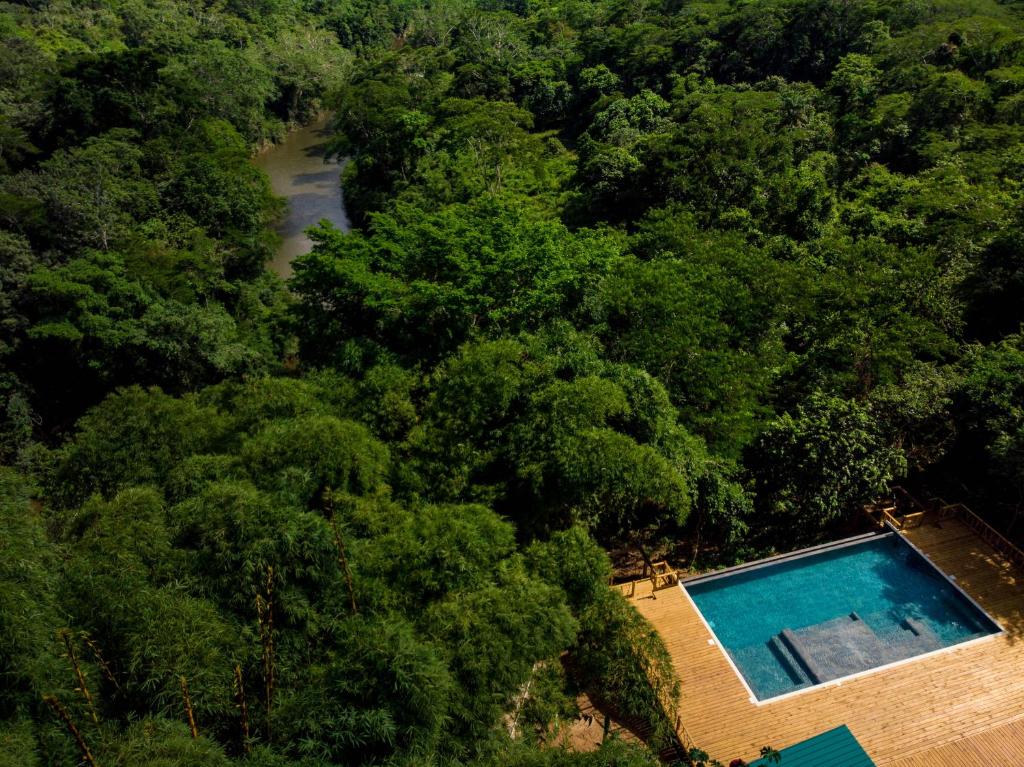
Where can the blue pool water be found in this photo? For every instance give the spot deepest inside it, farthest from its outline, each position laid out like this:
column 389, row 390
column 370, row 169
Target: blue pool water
column 800, row 622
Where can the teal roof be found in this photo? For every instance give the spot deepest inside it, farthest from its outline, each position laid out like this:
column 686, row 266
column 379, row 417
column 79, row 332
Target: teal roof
column 835, row 748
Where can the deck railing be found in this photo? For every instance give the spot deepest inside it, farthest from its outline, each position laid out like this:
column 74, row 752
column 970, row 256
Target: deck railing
column 901, row 510
column 683, row 734
column 888, row 511
column 983, row 529
column 660, row 574
column 889, row 514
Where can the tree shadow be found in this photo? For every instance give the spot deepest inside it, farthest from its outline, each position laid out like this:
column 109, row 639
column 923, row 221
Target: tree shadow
column 976, row 567
column 319, row 149
column 1003, row 599
column 326, row 179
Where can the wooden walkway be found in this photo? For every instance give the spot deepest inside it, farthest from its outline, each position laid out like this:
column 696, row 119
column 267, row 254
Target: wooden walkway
column 912, row 711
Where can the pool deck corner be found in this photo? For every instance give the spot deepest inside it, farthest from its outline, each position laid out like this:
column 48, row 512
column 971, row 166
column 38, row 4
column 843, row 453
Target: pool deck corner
column 967, row 699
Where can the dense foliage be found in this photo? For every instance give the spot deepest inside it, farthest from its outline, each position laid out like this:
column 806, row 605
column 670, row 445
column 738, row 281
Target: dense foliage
column 798, row 217
column 624, row 275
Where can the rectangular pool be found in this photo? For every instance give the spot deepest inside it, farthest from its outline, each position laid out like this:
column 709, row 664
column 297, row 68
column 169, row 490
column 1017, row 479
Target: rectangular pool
column 814, row 617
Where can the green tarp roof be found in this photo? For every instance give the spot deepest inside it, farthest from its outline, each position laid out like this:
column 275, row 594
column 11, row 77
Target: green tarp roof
column 835, row 748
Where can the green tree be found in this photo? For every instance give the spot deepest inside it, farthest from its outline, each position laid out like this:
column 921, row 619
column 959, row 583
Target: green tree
column 308, row 64
column 621, row 659
column 92, row 194
column 304, row 457
column 990, row 405
column 554, row 436
column 701, row 316
column 420, row 285
column 133, row 437
column 819, row 463
column 219, row 81
column 30, row 612
column 385, row 692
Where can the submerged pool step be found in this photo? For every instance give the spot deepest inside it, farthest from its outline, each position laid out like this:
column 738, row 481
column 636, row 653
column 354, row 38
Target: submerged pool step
column 925, row 639
column 789, row 662
column 916, row 626
column 834, row 648
column 795, row 646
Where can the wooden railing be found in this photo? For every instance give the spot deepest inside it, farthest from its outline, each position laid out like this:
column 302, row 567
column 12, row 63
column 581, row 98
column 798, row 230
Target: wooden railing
column 683, row 734
column 660, row 574
column 901, row 510
column 883, row 514
column 983, row 529
column 888, row 511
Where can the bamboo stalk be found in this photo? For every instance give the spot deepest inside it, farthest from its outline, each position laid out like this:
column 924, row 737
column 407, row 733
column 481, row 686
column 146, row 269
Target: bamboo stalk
column 101, row 662
column 65, row 717
column 343, row 562
column 189, row 713
column 265, row 615
column 79, row 674
column 340, row 543
column 243, row 708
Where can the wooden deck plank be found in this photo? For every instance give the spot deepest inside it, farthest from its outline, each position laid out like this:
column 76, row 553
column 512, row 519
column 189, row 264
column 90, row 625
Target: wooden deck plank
column 946, row 701
column 996, row 746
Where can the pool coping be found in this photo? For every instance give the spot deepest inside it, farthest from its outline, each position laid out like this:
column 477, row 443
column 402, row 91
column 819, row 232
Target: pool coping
column 810, row 551
column 757, row 564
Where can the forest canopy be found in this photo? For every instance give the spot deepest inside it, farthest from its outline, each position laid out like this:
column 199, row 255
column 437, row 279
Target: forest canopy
column 695, row 278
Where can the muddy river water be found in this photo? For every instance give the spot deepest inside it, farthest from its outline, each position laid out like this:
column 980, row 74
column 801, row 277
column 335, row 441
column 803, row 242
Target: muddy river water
column 311, row 187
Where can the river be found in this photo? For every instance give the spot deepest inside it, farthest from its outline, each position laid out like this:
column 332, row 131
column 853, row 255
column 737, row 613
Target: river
column 311, row 187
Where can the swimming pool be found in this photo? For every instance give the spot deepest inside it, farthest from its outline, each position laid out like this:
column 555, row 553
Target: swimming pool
column 827, row 613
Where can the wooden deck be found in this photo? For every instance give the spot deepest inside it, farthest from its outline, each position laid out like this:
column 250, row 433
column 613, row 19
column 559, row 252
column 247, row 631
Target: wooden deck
column 967, row 699
column 993, row 748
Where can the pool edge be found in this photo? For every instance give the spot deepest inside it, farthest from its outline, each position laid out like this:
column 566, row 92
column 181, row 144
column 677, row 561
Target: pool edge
column 951, row 581
column 867, row 672
column 810, row 551
column 757, row 564
column 715, row 641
